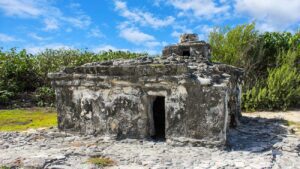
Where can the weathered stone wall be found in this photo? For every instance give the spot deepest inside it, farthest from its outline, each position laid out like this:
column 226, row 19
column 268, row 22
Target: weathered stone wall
column 104, row 111
column 118, row 98
column 204, row 119
column 235, row 92
column 119, row 105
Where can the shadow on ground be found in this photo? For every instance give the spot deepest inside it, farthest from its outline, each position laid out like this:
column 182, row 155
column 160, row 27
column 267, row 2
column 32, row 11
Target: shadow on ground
column 256, row 134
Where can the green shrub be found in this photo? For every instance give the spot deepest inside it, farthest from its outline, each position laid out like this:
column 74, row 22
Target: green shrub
column 53, row 60
column 5, row 96
column 240, row 46
column 271, row 62
column 45, row 96
column 231, row 45
column 280, row 90
column 23, row 74
column 18, row 72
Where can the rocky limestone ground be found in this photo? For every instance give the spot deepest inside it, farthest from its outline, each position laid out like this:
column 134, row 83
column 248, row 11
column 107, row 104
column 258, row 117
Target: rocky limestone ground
column 257, row 143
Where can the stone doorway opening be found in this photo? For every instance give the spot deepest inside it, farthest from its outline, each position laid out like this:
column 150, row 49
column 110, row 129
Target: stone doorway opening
column 158, row 109
column 186, row 53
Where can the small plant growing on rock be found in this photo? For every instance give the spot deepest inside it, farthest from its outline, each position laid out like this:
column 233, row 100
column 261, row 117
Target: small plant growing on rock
column 101, row 161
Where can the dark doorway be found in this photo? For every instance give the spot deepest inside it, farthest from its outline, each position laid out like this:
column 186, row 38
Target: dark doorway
column 186, row 53
column 159, row 117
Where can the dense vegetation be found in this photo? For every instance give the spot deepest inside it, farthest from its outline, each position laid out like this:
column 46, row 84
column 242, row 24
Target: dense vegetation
column 271, row 62
column 23, row 76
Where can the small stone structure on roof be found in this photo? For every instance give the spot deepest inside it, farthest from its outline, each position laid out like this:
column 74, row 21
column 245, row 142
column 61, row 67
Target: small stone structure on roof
column 181, row 97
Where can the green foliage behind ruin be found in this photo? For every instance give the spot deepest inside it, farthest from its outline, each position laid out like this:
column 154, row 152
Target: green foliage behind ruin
column 23, row 76
column 271, row 63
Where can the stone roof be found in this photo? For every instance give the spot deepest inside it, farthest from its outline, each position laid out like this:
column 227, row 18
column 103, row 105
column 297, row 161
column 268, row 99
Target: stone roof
column 174, row 62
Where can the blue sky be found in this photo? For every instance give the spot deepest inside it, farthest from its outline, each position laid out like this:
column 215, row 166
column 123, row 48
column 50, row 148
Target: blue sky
column 134, row 25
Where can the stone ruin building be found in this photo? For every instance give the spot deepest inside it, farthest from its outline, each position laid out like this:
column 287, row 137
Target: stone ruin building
column 181, row 97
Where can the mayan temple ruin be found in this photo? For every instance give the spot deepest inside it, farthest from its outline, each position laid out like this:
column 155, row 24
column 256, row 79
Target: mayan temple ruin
column 181, row 97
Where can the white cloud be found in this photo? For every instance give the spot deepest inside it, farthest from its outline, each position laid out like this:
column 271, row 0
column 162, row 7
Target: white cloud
column 120, row 5
column 82, row 21
column 143, row 18
column 157, row 2
column 75, row 5
column 204, row 31
column 153, row 44
column 271, row 14
column 155, row 22
column 264, row 27
column 34, row 49
column 51, row 24
column 44, row 10
column 199, row 8
column 176, row 34
column 164, row 43
column 20, row 8
column 6, row 38
column 96, row 33
column 180, row 29
column 37, row 37
column 134, row 35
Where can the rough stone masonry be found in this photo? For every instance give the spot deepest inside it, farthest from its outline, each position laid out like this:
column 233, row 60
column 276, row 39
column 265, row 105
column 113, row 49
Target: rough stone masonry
column 181, row 97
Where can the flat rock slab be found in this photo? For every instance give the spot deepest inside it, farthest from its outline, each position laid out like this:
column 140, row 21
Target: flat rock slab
column 257, row 143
